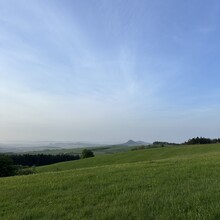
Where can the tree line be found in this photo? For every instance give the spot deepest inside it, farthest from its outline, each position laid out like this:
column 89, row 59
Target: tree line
column 202, row 140
column 163, row 143
column 192, row 141
column 41, row 159
column 24, row 164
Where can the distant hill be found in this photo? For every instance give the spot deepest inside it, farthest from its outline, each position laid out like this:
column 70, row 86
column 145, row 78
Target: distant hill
column 134, row 143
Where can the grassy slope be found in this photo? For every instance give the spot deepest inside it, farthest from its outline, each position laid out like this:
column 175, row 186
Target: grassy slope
column 169, row 183
column 135, row 156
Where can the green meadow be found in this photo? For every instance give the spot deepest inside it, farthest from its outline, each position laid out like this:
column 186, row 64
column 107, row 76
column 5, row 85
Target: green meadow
column 181, row 182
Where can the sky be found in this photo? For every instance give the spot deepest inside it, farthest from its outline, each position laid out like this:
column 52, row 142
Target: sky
column 109, row 70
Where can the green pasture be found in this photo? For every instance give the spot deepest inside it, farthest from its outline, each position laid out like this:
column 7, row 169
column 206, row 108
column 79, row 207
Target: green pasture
column 165, row 183
column 151, row 154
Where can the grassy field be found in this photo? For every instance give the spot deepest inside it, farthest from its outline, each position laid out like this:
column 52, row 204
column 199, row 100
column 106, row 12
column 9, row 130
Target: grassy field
column 136, row 156
column 163, row 183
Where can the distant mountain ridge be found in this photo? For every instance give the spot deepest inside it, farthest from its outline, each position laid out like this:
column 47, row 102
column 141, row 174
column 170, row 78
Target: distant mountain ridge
column 22, row 147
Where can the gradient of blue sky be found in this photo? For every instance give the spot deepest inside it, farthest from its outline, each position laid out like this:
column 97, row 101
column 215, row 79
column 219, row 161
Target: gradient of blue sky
column 109, row 70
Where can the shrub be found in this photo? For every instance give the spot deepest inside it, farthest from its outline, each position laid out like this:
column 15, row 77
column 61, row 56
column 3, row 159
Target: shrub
column 26, row 171
column 87, row 153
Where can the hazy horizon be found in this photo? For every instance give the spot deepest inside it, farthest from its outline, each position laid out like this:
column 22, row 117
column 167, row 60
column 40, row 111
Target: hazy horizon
column 103, row 71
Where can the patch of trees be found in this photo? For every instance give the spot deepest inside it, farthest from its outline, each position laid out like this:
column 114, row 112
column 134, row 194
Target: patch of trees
column 7, row 167
column 24, row 164
column 202, row 140
column 163, row 143
column 41, row 159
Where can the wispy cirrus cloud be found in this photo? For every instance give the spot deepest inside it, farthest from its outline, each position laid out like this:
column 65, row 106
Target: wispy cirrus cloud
column 85, row 70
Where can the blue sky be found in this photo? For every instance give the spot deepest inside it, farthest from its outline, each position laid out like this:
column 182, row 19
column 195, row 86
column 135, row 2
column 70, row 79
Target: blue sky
column 101, row 70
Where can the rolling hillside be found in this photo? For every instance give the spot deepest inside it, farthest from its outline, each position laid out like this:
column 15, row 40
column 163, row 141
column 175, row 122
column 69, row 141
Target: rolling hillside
column 163, row 183
column 152, row 154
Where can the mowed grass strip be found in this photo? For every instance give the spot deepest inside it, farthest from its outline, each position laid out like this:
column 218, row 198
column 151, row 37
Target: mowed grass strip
column 187, row 188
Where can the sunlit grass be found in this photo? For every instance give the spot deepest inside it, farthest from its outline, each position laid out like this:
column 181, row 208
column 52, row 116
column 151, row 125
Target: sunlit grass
column 136, row 156
column 171, row 183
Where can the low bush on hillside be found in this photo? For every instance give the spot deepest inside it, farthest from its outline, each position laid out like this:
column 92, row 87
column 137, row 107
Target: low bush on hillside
column 26, row 170
column 87, row 153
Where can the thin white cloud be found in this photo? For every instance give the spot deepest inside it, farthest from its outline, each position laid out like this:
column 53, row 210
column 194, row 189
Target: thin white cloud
column 59, row 79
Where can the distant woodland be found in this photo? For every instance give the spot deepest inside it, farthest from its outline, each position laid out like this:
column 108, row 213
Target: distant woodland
column 24, row 164
column 202, row 140
column 192, row 141
column 41, row 159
